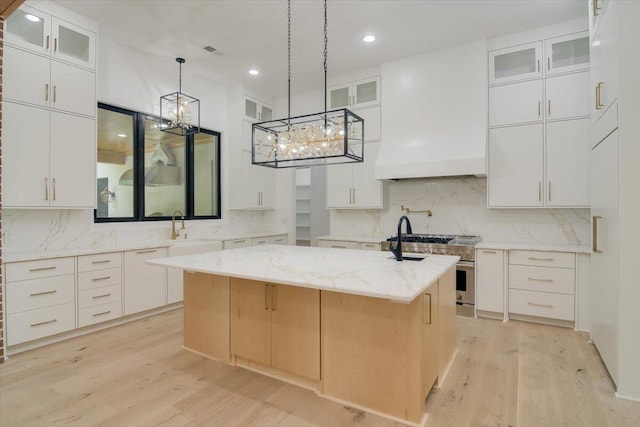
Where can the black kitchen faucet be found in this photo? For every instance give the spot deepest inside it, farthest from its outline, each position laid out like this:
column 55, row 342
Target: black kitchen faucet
column 397, row 251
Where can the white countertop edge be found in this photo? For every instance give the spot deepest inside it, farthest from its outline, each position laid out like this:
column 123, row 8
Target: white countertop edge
column 61, row 253
column 535, row 246
column 402, row 290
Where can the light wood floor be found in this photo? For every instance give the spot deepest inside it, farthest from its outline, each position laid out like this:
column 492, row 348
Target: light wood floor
column 137, row 375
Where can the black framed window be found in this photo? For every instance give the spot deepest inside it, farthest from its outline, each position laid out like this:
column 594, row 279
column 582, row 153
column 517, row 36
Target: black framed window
column 144, row 174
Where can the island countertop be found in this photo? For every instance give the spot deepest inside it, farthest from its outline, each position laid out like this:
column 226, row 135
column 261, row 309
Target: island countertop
column 357, row 272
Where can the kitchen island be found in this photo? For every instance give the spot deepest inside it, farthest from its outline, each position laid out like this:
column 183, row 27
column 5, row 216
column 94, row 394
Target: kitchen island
column 357, row 327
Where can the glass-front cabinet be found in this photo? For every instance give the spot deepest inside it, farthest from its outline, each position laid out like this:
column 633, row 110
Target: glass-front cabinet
column 567, row 53
column 257, row 111
column 361, row 93
column 515, row 63
column 31, row 29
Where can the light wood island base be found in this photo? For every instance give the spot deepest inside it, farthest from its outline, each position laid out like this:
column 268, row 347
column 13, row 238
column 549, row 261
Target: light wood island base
column 369, row 353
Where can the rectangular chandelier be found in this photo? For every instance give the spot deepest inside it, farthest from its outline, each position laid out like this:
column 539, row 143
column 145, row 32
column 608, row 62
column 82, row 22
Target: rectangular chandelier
column 326, row 138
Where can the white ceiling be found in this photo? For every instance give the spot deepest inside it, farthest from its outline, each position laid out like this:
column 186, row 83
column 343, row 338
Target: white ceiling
column 253, row 33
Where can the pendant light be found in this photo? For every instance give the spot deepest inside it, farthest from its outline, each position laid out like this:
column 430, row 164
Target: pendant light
column 328, row 137
column 179, row 112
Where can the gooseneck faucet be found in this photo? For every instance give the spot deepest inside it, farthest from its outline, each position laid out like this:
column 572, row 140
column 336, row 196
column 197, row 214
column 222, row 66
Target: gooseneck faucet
column 175, row 233
column 397, row 251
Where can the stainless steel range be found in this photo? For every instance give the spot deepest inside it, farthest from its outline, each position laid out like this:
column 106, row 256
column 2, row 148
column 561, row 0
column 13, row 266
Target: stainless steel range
column 442, row 244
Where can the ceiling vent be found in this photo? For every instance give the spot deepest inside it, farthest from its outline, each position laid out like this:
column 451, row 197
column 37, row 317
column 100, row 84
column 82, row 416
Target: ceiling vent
column 213, row 50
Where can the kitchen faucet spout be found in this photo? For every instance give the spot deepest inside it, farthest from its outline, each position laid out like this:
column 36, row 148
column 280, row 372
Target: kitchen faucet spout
column 175, row 233
column 397, row 250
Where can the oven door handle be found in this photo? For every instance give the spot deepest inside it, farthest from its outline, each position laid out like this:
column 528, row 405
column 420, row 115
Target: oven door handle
column 465, row 265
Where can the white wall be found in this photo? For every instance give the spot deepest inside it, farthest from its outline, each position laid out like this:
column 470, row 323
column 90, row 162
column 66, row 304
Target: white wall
column 135, row 80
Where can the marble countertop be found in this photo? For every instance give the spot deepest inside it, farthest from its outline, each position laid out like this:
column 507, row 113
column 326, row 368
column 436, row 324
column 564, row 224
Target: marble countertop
column 535, row 246
column 58, row 253
column 368, row 273
column 353, row 239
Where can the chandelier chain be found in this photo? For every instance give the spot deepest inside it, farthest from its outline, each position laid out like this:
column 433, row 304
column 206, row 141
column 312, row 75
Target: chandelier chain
column 326, row 40
column 289, row 57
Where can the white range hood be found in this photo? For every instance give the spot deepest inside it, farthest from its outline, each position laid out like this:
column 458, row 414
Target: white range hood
column 434, row 114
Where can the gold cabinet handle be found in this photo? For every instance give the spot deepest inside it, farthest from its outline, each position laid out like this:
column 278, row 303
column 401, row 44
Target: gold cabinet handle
column 489, row 252
column 104, row 261
column 338, row 246
column 539, row 109
column 47, row 43
column 102, row 313
column 239, row 241
column 273, row 297
column 46, row 188
column 426, row 313
column 97, row 279
column 54, row 180
column 266, row 296
column 35, row 294
column 538, row 67
column 549, row 107
column 596, row 8
column 548, row 63
column 148, row 251
column 101, row 296
column 354, row 196
column 599, row 104
column 533, row 279
column 46, row 322
column 532, row 258
column 549, row 191
column 594, row 232
column 55, row 44
column 539, row 191
column 540, row 305
column 54, row 93
column 41, row 269
column 46, row 91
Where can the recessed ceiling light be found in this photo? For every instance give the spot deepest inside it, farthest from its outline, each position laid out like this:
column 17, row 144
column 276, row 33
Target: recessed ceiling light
column 369, row 38
column 122, row 135
column 32, row 18
column 254, row 72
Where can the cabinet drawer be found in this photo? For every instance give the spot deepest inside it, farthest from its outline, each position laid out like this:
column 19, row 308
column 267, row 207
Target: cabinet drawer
column 278, row 240
column 558, row 280
column 339, row 244
column 543, row 259
column 99, row 313
column 39, row 293
column 26, row 270
column 99, row 296
column 34, row 324
column 238, row 243
column 99, row 278
column 541, row 304
column 99, row 261
column 370, row 246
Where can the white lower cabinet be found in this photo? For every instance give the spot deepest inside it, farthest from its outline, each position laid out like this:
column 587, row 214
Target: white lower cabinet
column 490, row 280
column 542, row 284
column 278, row 239
column 40, row 298
column 175, row 280
column 99, row 288
column 145, row 286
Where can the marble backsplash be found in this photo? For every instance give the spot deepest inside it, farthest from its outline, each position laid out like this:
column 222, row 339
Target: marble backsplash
column 49, row 230
column 459, row 206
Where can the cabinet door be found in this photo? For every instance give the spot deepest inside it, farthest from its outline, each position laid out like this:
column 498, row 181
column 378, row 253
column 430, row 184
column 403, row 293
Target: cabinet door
column 515, row 103
column 73, row 89
column 25, row 152
column 567, row 157
column 339, row 186
column 567, row 53
column 515, row 63
column 604, row 261
column 516, row 166
column 266, row 113
column 295, row 330
column 490, row 280
column 604, row 68
column 29, row 28
column 33, row 86
column 567, row 96
column 367, row 191
column 339, row 96
column 72, row 161
column 256, row 111
column 372, row 120
column 258, row 185
column 73, row 44
column 366, row 92
column 250, row 303
column 145, row 286
column 429, row 363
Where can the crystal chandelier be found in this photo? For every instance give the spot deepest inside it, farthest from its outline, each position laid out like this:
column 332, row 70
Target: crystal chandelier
column 329, row 137
column 179, row 112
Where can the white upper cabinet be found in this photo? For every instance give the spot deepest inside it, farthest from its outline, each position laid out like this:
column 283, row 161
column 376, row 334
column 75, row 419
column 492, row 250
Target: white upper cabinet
column 371, row 117
column 258, row 185
column 567, row 53
column 515, row 103
column 256, row 111
column 37, row 31
column 361, row 93
column 515, row 63
column 567, row 96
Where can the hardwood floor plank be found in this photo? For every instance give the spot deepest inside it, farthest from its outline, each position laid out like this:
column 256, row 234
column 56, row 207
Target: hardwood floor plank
column 137, row 374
